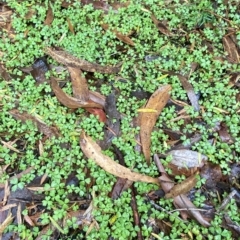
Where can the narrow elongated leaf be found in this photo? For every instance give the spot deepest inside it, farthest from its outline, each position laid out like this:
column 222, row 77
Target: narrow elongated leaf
column 79, row 84
column 49, row 131
column 148, row 119
column 71, row 61
column 93, row 151
column 68, row 101
column 183, row 187
column 231, row 48
column 190, row 92
column 122, row 37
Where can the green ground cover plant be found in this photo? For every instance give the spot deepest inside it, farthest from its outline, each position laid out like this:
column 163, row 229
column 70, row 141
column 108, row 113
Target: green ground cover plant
column 70, row 180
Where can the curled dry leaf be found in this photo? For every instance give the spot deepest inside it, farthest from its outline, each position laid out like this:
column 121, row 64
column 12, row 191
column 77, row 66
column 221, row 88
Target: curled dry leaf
column 93, row 151
column 68, row 101
column 190, row 92
column 79, row 84
column 183, row 187
column 71, row 61
column 180, row 201
column 147, row 121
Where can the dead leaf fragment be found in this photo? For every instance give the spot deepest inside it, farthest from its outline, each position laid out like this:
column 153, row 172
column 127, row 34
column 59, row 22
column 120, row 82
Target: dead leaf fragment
column 68, row 101
column 122, row 37
column 180, row 201
column 49, row 131
column 187, row 158
column 67, row 59
column 183, row 187
column 93, row 151
column 161, row 26
column 148, row 119
column 231, row 48
column 79, row 84
column 49, row 17
column 190, row 92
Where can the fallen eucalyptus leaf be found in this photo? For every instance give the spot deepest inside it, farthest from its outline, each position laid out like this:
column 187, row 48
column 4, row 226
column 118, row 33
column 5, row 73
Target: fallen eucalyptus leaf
column 72, row 61
column 148, row 119
column 183, row 187
column 68, row 101
column 190, row 92
column 79, row 84
column 93, row 151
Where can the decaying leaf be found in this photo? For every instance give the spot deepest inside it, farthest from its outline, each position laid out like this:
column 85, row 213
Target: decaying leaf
column 79, row 84
column 93, row 151
column 42, row 127
column 231, row 48
column 112, row 123
column 120, row 36
column 68, row 101
column 71, row 61
column 183, row 187
column 6, row 222
column 147, row 120
column 50, row 16
column 39, row 68
column 70, row 26
column 161, row 26
column 190, row 92
column 180, row 201
column 187, row 158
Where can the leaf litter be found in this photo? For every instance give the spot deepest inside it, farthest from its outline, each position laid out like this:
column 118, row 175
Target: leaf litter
column 184, row 161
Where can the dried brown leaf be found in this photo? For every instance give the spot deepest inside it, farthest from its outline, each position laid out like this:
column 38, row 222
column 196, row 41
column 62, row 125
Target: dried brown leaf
column 49, row 17
column 93, row 151
column 190, row 92
column 183, row 187
column 79, row 84
column 68, row 101
column 180, row 201
column 67, row 59
column 231, row 48
column 42, row 127
column 124, row 38
column 147, row 120
column 6, row 222
column 161, row 26
column 70, row 26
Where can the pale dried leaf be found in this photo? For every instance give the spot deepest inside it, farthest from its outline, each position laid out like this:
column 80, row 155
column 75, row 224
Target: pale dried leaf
column 93, row 151
column 187, row 158
column 190, row 92
column 147, row 121
column 6, row 222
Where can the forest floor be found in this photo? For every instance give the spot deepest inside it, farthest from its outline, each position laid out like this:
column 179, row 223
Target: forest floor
column 119, row 119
